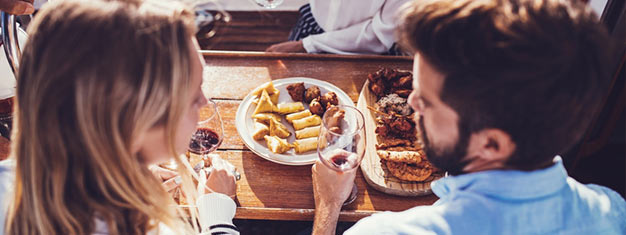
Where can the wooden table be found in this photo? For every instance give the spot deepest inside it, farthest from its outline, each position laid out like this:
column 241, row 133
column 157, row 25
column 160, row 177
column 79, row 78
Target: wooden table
column 277, row 192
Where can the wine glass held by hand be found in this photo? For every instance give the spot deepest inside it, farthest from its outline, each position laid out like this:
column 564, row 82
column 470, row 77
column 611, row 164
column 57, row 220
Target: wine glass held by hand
column 210, row 130
column 341, row 146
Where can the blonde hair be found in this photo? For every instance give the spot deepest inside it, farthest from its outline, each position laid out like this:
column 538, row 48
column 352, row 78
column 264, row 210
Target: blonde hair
column 95, row 76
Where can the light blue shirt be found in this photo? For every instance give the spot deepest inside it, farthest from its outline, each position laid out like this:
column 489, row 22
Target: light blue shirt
column 544, row 201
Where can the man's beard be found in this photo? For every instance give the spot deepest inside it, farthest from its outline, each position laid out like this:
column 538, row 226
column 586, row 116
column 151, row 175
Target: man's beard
column 448, row 159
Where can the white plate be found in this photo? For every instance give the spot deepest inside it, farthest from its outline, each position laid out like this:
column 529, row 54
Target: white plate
column 245, row 124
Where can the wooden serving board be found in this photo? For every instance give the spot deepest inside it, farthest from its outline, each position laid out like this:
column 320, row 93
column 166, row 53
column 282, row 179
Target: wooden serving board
column 376, row 174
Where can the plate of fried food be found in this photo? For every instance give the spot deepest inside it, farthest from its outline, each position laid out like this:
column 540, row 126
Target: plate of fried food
column 394, row 161
column 281, row 119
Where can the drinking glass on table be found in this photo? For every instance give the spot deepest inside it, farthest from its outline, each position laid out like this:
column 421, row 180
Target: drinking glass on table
column 269, row 4
column 341, row 142
column 209, row 135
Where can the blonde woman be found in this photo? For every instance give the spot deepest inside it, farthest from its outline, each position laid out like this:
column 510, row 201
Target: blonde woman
column 107, row 88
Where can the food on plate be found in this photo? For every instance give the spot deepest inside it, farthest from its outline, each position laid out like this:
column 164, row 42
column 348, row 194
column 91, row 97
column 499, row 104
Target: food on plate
column 316, row 107
column 278, row 129
column 276, row 144
column 329, row 99
column 265, row 104
column 286, row 108
column 298, row 115
column 334, row 120
column 385, row 81
column 410, row 172
column 394, row 104
column 266, row 117
column 385, row 143
column 299, row 124
column 313, row 131
column 396, row 126
column 304, row 117
column 274, row 97
column 296, row 91
column 260, row 130
column 312, row 93
column 305, row 145
column 410, row 157
column 268, row 87
column 398, row 146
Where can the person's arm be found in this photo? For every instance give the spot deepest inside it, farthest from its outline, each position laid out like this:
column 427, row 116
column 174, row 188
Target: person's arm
column 216, row 213
column 375, row 35
column 330, row 190
column 216, row 209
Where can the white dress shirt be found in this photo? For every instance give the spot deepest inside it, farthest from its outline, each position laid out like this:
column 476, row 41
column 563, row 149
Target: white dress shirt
column 354, row 26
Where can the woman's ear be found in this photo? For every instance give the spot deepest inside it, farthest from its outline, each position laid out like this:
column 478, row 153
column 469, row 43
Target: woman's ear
column 488, row 149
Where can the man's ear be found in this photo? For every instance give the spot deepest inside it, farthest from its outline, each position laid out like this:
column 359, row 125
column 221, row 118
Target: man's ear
column 488, row 149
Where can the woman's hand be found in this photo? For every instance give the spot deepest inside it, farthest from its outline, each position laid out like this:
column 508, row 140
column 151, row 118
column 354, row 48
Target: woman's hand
column 170, row 179
column 17, row 7
column 289, row 46
column 220, row 180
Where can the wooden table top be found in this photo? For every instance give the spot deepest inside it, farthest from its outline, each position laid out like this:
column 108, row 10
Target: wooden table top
column 278, row 192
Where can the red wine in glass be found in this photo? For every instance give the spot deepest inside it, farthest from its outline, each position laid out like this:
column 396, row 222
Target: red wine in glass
column 342, row 160
column 205, row 140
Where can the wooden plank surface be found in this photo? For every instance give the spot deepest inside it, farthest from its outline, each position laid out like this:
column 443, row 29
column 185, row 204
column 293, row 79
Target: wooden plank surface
column 230, row 76
column 249, row 31
column 277, row 192
column 272, row 191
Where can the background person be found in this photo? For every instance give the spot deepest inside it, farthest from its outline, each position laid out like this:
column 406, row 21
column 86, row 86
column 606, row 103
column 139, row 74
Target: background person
column 344, row 27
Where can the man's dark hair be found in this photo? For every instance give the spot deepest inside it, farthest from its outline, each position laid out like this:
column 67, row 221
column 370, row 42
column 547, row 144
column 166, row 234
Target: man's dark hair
column 534, row 69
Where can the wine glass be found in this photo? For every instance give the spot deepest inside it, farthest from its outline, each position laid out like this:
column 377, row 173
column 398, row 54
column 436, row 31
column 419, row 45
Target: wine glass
column 209, row 130
column 209, row 135
column 269, row 4
column 341, row 142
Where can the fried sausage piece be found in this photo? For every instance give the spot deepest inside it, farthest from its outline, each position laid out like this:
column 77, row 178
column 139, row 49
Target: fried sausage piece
column 316, row 107
column 296, row 91
column 329, row 99
column 312, row 93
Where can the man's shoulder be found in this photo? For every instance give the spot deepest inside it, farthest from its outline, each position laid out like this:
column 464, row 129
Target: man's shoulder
column 596, row 201
column 441, row 218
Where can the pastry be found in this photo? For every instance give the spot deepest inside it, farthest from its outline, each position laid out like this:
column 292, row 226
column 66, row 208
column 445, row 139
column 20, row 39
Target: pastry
column 265, row 104
column 278, row 129
column 266, row 117
column 276, row 144
column 286, row 108
column 268, row 87
column 260, row 130
column 299, row 124
column 305, row 145
column 313, row 131
column 298, row 115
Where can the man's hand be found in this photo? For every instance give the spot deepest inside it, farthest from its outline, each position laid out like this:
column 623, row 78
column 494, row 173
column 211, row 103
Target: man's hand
column 330, row 190
column 17, row 7
column 289, row 46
